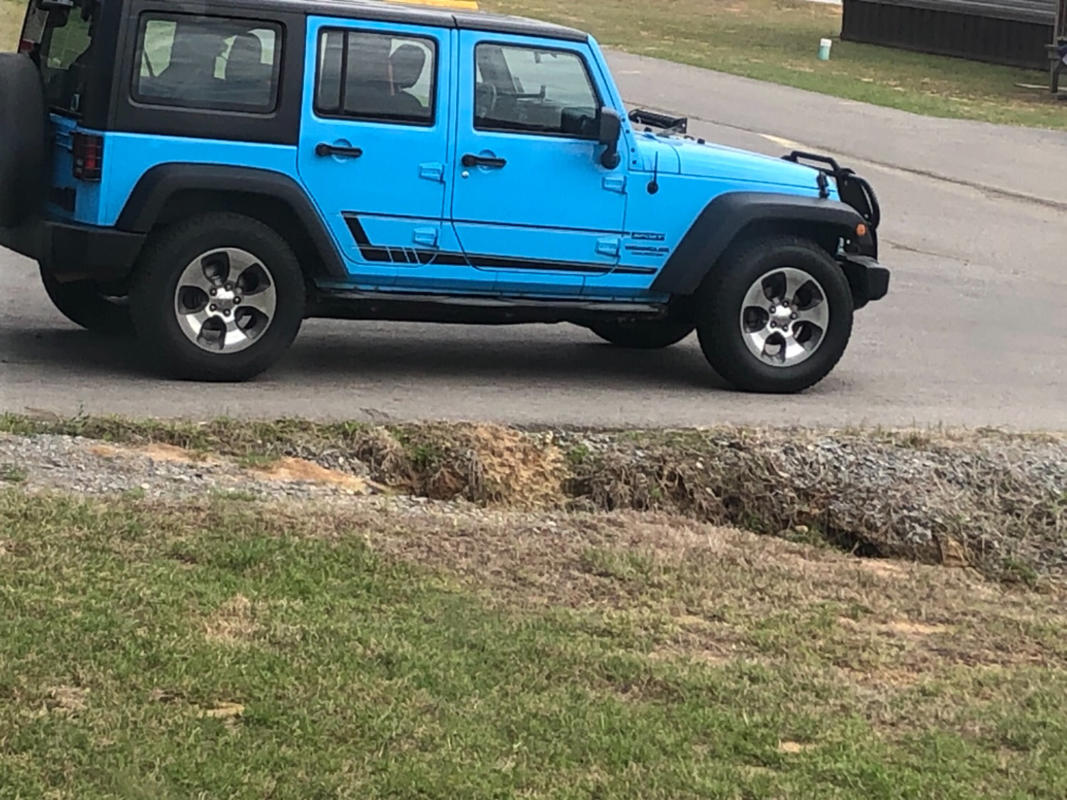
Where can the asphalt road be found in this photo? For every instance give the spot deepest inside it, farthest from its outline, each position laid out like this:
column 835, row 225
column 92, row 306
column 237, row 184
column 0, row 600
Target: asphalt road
column 973, row 333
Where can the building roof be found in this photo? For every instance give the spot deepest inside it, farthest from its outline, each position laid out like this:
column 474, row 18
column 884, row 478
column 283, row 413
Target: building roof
column 1039, row 11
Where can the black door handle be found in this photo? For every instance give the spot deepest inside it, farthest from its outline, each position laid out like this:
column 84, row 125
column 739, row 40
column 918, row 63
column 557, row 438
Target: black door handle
column 322, row 150
column 470, row 160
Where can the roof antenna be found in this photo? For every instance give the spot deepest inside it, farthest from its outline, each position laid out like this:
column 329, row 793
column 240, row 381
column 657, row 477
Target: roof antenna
column 653, row 185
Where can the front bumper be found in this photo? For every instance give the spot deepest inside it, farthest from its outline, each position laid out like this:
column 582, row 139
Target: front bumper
column 868, row 279
column 72, row 252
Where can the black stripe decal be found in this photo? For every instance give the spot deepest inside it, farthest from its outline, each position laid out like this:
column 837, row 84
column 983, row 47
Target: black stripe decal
column 400, row 255
column 635, row 270
column 377, row 255
column 507, row 262
column 431, row 220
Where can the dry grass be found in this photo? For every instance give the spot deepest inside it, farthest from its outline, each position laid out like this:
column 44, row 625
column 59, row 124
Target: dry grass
column 11, row 13
column 233, row 623
column 993, row 501
column 703, row 591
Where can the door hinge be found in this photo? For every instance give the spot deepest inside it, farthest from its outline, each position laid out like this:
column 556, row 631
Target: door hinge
column 608, row 246
column 615, row 183
column 427, row 237
column 432, row 171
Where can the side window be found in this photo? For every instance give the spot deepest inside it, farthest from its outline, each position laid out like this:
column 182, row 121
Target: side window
column 376, row 76
column 533, row 90
column 207, row 62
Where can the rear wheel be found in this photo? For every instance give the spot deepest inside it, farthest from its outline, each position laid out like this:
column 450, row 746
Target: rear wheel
column 644, row 334
column 22, row 139
column 776, row 316
column 84, row 303
column 217, row 298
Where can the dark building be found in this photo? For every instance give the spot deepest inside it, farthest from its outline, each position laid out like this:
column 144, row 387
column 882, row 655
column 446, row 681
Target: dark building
column 1013, row 32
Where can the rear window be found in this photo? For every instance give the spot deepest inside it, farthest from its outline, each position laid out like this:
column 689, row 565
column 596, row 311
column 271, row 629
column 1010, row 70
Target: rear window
column 376, row 76
column 60, row 40
column 213, row 63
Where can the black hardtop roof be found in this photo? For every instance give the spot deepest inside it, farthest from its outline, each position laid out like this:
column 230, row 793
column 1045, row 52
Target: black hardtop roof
column 421, row 15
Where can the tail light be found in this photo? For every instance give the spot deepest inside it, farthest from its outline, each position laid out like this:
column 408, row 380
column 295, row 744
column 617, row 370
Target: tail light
column 88, row 156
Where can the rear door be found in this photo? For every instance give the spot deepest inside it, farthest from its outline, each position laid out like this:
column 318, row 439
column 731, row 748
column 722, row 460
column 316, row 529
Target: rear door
column 60, row 41
column 532, row 204
column 374, row 142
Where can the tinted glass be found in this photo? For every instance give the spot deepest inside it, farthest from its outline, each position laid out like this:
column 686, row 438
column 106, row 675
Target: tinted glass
column 208, row 62
column 376, row 76
column 62, row 40
column 531, row 90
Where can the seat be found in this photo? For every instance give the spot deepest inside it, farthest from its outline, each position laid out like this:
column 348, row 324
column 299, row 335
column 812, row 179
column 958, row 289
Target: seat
column 367, row 90
column 247, row 79
column 189, row 76
column 406, row 66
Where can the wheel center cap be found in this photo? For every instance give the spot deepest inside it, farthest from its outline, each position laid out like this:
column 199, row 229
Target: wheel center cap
column 225, row 300
column 782, row 315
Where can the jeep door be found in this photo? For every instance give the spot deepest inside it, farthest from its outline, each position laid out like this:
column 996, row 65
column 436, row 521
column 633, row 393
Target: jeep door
column 374, row 142
column 531, row 201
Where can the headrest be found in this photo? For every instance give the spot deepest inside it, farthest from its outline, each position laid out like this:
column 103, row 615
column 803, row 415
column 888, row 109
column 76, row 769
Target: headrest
column 246, row 56
column 408, row 62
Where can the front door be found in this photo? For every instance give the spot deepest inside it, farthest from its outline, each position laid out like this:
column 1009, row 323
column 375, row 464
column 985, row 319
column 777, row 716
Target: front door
column 374, row 142
column 531, row 202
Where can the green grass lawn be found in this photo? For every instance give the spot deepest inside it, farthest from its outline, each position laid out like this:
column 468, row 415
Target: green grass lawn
column 777, row 40
column 11, row 13
column 232, row 650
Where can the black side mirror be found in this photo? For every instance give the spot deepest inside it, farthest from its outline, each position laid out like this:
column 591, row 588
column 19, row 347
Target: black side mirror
column 609, row 131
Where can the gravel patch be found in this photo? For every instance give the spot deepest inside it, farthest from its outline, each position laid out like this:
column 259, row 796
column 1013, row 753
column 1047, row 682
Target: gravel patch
column 988, row 500
column 85, row 466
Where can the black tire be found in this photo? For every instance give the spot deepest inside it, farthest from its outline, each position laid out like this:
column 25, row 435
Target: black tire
column 644, row 334
column 84, row 304
column 153, row 297
column 720, row 303
column 22, row 140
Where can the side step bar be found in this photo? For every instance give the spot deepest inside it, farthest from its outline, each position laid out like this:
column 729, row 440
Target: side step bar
column 403, row 307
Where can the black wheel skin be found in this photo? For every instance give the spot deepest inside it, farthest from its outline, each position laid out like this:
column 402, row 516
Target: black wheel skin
column 22, row 140
column 644, row 334
column 719, row 307
column 167, row 254
column 84, row 304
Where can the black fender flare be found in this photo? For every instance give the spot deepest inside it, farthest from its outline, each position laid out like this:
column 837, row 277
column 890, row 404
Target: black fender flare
column 161, row 183
column 727, row 216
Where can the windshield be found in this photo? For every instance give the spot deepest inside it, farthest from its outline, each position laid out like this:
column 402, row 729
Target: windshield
column 61, row 39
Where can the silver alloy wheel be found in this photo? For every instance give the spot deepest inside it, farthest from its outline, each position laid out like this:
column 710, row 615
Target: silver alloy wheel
column 225, row 300
column 784, row 317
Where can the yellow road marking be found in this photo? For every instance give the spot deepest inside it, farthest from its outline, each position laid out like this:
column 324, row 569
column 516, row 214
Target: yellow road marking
column 463, row 5
column 778, row 140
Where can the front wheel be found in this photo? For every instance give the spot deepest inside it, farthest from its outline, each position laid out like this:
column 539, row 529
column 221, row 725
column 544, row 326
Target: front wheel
column 217, row 298
column 776, row 316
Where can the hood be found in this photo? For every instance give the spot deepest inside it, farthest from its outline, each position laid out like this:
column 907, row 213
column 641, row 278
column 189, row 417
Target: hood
column 729, row 164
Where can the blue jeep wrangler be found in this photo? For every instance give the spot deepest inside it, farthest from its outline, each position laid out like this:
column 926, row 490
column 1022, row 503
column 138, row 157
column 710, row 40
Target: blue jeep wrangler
column 205, row 175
